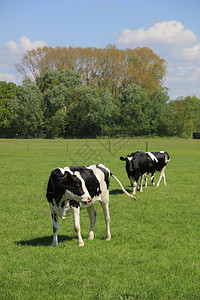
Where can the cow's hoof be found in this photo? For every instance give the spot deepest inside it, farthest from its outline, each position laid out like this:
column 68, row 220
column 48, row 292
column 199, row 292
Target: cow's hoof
column 54, row 244
column 81, row 244
column 91, row 236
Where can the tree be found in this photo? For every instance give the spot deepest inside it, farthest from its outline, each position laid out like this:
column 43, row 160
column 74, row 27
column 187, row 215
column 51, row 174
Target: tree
column 186, row 115
column 56, row 87
column 26, row 112
column 7, row 92
column 134, row 105
column 145, row 68
column 89, row 113
column 37, row 62
column 105, row 67
column 53, row 78
column 157, row 112
column 193, row 110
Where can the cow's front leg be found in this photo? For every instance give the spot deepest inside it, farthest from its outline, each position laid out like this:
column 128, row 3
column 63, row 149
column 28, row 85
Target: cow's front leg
column 105, row 207
column 141, row 183
column 146, row 180
column 55, row 230
column 92, row 214
column 77, row 228
column 134, row 187
column 55, row 226
column 152, row 178
column 133, row 184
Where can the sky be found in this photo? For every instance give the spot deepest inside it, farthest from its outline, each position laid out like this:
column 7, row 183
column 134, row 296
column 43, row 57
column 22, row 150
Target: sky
column 171, row 28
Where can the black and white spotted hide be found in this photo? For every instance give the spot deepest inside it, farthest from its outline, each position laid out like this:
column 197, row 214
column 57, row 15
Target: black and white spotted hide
column 71, row 189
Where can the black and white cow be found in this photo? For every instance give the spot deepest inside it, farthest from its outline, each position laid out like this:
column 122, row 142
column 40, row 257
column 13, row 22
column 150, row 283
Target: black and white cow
column 73, row 188
column 136, row 166
column 157, row 162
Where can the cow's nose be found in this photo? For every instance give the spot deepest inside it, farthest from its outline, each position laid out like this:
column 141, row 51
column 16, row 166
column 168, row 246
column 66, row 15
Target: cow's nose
column 89, row 199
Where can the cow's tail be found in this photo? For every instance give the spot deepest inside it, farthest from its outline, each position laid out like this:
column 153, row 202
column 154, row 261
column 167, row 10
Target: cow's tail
column 123, row 189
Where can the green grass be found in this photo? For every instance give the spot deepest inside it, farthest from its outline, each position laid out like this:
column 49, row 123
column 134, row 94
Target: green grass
column 154, row 251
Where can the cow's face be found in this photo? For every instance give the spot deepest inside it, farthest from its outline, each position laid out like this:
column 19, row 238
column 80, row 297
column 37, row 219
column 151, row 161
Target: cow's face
column 73, row 184
column 75, row 188
column 129, row 163
column 63, row 185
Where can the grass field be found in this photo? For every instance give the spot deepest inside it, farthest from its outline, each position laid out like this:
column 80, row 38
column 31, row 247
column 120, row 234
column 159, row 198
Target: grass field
column 154, row 252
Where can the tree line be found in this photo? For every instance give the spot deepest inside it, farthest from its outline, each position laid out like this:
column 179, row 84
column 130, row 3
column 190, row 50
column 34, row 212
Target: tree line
column 108, row 67
column 89, row 92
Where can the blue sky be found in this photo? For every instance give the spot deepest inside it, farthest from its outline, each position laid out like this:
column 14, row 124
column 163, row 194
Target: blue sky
column 170, row 28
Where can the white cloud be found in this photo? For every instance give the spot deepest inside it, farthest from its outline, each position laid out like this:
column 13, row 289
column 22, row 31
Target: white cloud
column 180, row 48
column 183, row 79
column 11, row 54
column 7, row 77
column 192, row 53
column 25, row 44
column 170, row 33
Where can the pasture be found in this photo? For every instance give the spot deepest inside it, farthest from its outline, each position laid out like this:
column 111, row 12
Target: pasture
column 154, row 252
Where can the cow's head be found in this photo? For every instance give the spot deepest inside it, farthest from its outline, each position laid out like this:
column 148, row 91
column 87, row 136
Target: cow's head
column 129, row 163
column 70, row 186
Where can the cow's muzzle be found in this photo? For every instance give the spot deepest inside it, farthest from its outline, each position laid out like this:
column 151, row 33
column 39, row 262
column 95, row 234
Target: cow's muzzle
column 87, row 200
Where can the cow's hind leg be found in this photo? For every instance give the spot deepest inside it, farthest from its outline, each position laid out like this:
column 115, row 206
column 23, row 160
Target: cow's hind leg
column 164, row 178
column 162, row 174
column 92, row 215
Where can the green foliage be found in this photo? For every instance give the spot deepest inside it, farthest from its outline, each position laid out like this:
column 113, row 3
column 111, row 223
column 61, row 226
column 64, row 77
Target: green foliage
column 53, row 78
column 60, row 105
column 98, row 67
column 7, row 92
column 26, row 112
column 134, row 104
column 89, row 112
column 186, row 115
column 154, row 249
column 88, row 92
column 159, row 114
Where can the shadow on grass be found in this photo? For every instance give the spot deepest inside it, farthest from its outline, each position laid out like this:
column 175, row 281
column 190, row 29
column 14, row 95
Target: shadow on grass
column 47, row 240
column 119, row 191
column 43, row 241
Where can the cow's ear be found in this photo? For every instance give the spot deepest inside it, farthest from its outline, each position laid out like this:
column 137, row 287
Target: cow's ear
column 122, row 158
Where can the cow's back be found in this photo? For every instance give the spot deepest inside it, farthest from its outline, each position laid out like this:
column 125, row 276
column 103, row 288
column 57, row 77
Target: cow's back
column 140, row 163
column 102, row 174
column 90, row 180
column 163, row 158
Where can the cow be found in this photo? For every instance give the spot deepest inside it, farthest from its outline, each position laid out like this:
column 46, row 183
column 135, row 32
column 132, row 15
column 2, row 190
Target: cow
column 136, row 166
column 71, row 189
column 157, row 162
